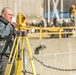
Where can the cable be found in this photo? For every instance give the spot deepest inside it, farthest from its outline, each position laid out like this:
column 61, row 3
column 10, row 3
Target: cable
column 53, row 67
column 48, row 66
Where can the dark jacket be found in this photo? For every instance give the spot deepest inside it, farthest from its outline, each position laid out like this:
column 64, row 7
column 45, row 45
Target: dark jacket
column 7, row 33
column 6, row 29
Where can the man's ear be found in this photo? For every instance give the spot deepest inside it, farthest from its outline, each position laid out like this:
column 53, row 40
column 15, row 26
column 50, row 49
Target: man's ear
column 3, row 15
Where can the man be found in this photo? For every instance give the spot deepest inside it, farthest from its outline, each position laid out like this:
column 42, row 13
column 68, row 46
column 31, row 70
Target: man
column 42, row 23
column 6, row 28
column 72, row 12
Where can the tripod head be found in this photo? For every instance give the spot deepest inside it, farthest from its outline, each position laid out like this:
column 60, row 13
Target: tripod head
column 21, row 22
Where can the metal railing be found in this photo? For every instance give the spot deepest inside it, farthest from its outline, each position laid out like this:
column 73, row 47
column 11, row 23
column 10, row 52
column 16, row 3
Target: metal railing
column 46, row 32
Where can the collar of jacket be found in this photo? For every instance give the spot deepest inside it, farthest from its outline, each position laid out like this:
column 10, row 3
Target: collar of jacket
column 3, row 20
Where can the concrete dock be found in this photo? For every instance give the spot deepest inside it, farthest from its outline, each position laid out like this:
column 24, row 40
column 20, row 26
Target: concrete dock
column 57, row 58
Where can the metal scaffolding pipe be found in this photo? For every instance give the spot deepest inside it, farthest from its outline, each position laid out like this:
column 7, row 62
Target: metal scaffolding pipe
column 48, row 11
column 61, row 9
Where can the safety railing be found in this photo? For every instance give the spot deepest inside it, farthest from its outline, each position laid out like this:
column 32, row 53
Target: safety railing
column 47, row 32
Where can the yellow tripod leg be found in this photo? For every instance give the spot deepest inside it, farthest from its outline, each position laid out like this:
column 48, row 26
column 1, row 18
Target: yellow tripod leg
column 30, row 55
column 12, row 57
column 19, row 59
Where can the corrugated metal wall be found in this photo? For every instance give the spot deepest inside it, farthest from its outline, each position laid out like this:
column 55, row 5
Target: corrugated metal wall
column 32, row 7
column 29, row 7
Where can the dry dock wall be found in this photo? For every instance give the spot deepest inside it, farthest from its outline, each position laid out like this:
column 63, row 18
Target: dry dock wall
column 59, row 54
column 58, row 58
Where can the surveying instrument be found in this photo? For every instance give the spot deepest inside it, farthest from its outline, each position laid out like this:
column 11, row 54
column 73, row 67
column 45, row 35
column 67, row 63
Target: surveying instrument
column 16, row 54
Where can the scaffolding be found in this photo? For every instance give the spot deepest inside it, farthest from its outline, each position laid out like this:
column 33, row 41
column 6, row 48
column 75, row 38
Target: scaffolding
column 54, row 4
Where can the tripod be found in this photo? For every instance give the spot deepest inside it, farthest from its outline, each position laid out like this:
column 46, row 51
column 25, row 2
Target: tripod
column 16, row 55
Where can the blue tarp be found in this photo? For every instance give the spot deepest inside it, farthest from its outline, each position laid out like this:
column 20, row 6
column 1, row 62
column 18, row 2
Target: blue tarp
column 65, row 14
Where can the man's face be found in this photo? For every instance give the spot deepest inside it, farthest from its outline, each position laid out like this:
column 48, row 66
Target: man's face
column 8, row 15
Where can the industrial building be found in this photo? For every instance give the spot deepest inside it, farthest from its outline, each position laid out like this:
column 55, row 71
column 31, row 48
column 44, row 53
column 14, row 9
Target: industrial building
column 34, row 7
